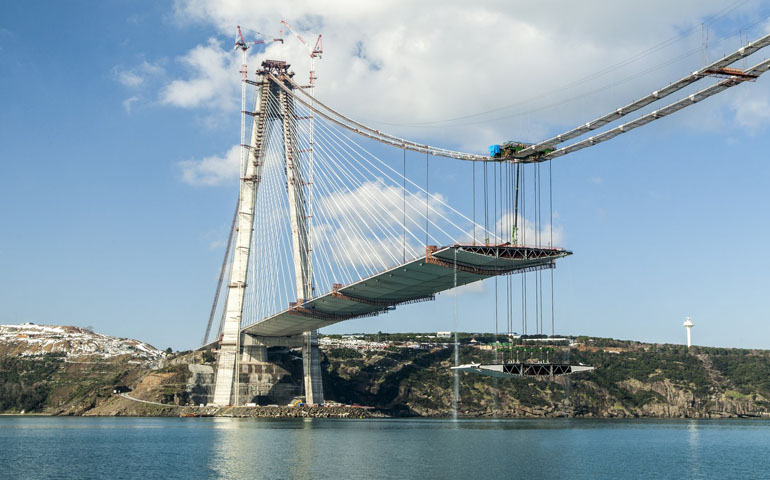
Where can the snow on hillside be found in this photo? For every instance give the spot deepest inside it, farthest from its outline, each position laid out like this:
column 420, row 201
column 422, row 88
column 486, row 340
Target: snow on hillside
column 29, row 339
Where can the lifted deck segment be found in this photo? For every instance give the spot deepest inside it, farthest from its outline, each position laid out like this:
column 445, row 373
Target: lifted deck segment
column 417, row 280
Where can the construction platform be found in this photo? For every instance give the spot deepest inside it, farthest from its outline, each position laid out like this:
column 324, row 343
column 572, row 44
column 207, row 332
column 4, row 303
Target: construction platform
column 414, row 281
column 505, row 370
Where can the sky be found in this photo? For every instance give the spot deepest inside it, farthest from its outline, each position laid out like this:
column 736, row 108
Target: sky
column 120, row 128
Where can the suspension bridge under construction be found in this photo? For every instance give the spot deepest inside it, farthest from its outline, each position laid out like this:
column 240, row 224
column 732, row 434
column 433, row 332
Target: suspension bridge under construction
column 329, row 227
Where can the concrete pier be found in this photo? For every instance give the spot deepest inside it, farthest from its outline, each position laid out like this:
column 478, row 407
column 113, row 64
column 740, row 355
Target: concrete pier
column 311, row 369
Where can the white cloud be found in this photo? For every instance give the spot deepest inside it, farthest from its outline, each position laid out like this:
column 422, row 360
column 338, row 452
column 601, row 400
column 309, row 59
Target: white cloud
column 389, row 199
column 138, row 75
column 411, row 66
column 212, row 170
column 127, row 103
column 752, row 109
column 530, row 234
column 216, row 244
column 364, row 226
column 214, row 82
column 470, row 288
column 130, row 79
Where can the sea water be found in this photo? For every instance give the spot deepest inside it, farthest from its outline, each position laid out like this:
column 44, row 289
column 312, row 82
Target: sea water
column 170, row 448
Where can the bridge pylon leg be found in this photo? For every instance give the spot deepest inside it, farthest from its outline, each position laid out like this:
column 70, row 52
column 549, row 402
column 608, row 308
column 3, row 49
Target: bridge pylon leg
column 230, row 345
column 300, row 232
column 311, row 363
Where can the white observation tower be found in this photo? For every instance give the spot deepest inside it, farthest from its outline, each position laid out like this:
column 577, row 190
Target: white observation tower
column 688, row 325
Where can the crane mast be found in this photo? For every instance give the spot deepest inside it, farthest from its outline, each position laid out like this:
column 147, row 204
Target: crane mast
column 315, row 51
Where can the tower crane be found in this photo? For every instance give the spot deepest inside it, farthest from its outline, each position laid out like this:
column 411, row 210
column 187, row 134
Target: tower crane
column 243, row 46
column 315, row 51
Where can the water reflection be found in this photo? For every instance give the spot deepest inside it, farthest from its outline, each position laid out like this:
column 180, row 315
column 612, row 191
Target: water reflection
column 692, row 453
column 303, row 457
column 173, row 448
column 230, row 446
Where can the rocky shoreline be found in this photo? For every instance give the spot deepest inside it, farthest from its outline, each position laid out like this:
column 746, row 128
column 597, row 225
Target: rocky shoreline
column 300, row 412
column 124, row 406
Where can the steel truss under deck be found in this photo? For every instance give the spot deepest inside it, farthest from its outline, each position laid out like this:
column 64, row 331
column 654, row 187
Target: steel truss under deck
column 545, row 369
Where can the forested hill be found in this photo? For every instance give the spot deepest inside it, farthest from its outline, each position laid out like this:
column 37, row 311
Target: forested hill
column 72, row 371
column 631, row 379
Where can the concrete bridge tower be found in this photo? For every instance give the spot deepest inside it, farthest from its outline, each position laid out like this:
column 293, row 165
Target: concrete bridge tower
column 235, row 346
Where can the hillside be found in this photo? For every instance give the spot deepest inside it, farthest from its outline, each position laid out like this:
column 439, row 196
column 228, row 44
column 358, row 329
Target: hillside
column 66, row 370
column 29, row 340
column 71, row 371
column 631, row 380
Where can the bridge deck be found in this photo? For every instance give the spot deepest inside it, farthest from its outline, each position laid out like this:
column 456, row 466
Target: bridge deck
column 414, row 281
